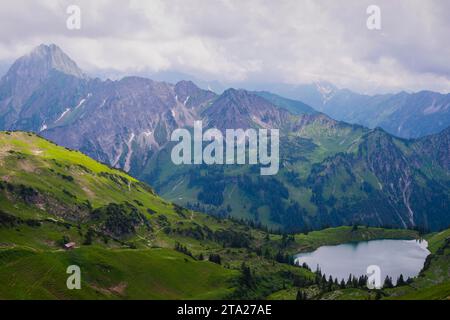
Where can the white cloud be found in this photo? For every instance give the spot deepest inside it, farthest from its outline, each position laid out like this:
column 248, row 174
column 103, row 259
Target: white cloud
column 288, row 41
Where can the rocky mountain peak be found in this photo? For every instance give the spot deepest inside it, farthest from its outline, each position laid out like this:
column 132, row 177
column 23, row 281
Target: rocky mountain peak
column 56, row 59
column 326, row 90
column 41, row 60
column 237, row 108
column 186, row 85
column 192, row 96
column 29, row 73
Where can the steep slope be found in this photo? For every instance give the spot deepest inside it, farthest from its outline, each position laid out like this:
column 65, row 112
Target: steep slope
column 386, row 184
column 53, row 182
column 50, row 195
column 241, row 109
column 123, row 122
column 435, row 147
column 331, row 174
column 192, row 96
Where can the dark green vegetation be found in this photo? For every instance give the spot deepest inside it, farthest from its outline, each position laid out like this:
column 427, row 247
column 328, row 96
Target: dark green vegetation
column 331, row 174
column 132, row 244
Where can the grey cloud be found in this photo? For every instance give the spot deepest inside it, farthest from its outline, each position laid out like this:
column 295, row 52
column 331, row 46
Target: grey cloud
column 290, row 41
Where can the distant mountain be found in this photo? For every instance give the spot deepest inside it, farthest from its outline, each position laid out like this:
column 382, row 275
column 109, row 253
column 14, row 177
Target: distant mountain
column 39, row 62
column 293, row 106
column 4, row 67
column 45, row 76
column 331, row 173
column 242, row 109
column 407, row 115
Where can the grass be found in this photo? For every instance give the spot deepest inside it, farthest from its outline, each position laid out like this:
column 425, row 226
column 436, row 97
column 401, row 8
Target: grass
column 111, row 274
column 435, row 240
column 35, row 162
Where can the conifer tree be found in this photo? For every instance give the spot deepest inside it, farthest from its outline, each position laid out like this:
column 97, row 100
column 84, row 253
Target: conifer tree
column 388, row 282
column 400, row 280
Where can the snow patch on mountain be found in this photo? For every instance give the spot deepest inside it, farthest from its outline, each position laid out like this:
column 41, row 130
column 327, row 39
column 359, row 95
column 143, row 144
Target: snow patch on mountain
column 80, row 103
column 432, row 109
column 327, row 91
column 63, row 114
column 127, row 165
column 102, row 104
column 43, row 127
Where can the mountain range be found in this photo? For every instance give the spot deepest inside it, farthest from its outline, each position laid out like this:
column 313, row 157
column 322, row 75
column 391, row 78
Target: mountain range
column 332, row 173
column 403, row 114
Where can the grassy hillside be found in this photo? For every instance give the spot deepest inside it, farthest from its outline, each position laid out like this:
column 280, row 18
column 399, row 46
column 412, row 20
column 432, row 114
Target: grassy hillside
column 111, row 274
column 131, row 244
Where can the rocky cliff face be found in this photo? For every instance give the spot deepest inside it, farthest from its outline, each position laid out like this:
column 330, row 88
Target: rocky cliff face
column 124, row 122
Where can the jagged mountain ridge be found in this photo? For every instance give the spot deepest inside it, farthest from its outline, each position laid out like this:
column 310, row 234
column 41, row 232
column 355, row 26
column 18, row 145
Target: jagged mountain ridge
column 129, row 119
column 406, row 115
column 123, row 123
column 118, row 122
column 242, row 109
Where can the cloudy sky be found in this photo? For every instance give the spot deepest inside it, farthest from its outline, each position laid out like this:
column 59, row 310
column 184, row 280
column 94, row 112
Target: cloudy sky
column 240, row 42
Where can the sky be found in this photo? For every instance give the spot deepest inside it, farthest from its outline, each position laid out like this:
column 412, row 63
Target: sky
column 242, row 42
